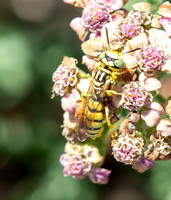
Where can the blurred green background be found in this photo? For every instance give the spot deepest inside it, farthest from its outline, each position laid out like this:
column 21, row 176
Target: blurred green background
column 34, row 37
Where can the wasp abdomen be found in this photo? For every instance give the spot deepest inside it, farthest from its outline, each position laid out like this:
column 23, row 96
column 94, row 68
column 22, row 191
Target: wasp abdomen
column 94, row 118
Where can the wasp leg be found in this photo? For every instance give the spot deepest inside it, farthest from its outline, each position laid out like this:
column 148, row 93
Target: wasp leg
column 107, row 117
column 116, row 74
column 99, row 134
column 79, row 111
column 85, row 95
column 108, row 120
column 112, row 92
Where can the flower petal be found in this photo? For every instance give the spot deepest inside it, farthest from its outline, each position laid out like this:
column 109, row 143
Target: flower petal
column 165, row 9
column 166, row 23
column 167, row 66
column 77, row 3
column 142, row 7
column 118, row 16
column 69, row 99
column 152, row 84
column 142, row 164
column 92, row 47
column 83, row 85
column 115, row 4
column 69, row 120
column 137, row 42
column 156, row 36
column 155, row 21
column 110, row 27
column 164, row 127
column 168, row 108
column 77, row 25
column 150, row 117
column 149, row 83
column 129, row 60
column 153, row 114
column 90, row 63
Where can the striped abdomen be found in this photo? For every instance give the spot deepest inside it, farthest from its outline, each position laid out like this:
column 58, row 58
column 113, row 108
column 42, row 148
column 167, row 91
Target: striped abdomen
column 94, row 110
column 94, row 118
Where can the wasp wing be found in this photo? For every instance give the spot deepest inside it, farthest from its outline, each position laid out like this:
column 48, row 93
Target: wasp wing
column 82, row 125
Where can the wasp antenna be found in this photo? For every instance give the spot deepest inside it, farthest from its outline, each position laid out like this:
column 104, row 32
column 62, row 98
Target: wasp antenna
column 133, row 50
column 107, row 36
column 84, row 2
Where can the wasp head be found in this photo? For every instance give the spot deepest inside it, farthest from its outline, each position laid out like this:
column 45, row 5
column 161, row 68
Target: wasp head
column 112, row 59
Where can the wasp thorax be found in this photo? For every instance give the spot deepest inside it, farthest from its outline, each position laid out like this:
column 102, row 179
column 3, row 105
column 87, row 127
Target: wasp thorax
column 112, row 58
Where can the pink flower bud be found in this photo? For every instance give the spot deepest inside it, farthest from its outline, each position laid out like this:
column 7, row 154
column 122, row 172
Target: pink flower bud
column 142, row 164
column 100, row 175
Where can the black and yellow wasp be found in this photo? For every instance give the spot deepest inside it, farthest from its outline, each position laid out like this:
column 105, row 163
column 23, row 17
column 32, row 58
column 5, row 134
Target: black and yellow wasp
column 94, row 105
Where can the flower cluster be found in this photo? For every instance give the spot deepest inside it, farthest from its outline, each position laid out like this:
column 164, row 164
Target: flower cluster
column 135, row 96
column 65, row 76
column 81, row 160
column 126, row 148
column 126, row 53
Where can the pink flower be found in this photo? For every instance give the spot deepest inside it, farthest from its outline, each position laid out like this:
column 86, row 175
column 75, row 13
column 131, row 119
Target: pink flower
column 126, row 148
column 74, row 166
column 150, row 60
column 81, row 160
column 160, row 40
column 100, row 175
column 83, row 86
column 95, row 16
column 134, row 18
column 90, row 63
column 129, row 30
column 135, row 96
column 65, row 76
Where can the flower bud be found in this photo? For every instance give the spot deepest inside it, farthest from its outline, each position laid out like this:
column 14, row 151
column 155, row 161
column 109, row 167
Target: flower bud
column 142, row 164
column 127, row 148
column 100, row 175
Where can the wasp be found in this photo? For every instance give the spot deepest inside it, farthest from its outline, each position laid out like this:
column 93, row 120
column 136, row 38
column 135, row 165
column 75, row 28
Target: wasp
column 94, row 105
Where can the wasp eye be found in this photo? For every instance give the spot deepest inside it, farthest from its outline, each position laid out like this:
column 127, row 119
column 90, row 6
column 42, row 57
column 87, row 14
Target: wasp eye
column 119, row 63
